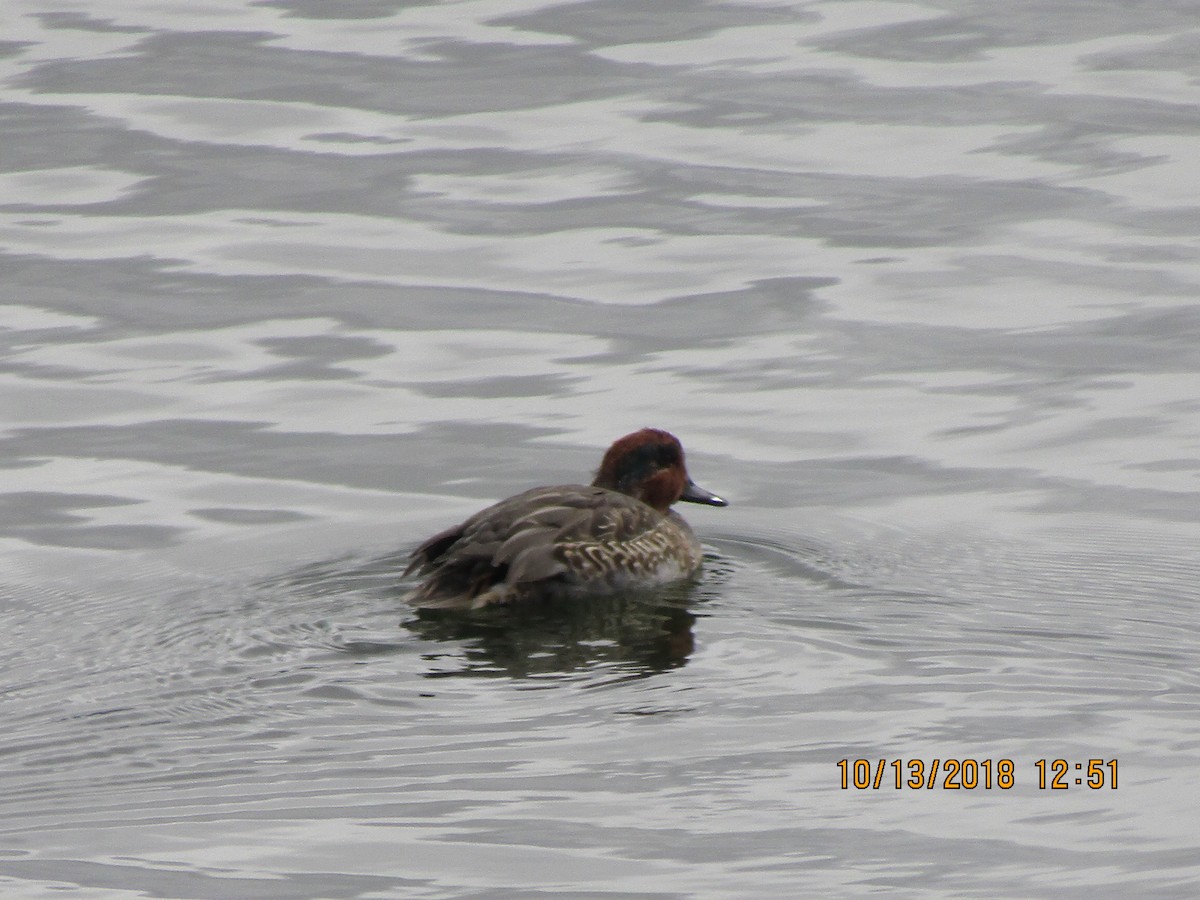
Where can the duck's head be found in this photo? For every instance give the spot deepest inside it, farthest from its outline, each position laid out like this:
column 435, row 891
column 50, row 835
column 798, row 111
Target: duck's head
column 648, row 465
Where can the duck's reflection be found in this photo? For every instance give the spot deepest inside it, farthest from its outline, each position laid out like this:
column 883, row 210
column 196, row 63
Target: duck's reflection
column 638, row 633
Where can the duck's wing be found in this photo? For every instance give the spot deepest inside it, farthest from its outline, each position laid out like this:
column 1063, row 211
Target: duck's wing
column 532, row 537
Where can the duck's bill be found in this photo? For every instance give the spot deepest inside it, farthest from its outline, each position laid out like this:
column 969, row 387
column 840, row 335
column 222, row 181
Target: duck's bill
column 693, row 493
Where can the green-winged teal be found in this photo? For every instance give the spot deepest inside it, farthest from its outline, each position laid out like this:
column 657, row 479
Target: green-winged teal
column 571, row 540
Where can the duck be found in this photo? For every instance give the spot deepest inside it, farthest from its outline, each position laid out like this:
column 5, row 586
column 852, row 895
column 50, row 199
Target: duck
column 570, row 541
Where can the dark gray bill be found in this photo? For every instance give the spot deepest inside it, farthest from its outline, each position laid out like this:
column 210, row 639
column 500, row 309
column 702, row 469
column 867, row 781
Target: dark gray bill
column 693, row 493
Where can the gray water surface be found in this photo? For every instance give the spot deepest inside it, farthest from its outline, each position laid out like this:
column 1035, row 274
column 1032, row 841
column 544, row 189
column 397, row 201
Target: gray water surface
column 287, row 286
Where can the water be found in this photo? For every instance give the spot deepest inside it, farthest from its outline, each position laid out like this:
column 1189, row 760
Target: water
column 288, row 286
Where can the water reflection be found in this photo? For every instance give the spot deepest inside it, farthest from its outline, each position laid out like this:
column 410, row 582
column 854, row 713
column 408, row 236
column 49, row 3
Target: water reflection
column 638, row 634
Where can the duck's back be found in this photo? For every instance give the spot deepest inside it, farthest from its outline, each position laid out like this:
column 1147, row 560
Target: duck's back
column 551, row 542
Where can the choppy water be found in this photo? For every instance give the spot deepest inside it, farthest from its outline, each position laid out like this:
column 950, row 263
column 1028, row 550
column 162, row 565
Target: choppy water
column 289, row 285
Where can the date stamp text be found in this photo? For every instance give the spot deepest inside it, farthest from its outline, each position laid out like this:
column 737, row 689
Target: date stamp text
column 953, row 774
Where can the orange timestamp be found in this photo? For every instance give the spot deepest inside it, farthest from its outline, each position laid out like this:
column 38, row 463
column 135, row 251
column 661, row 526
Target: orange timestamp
column 969, row 774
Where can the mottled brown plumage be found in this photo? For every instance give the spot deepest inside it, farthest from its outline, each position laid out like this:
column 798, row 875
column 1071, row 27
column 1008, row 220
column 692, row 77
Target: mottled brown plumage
column 571, row 540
